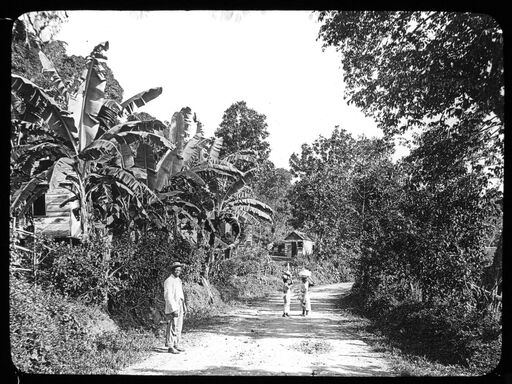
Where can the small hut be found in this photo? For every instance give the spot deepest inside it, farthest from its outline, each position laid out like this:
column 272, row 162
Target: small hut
column 298, row 243
column 50, row 218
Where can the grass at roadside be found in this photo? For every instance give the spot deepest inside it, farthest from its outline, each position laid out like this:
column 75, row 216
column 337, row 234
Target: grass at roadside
column 402, row 363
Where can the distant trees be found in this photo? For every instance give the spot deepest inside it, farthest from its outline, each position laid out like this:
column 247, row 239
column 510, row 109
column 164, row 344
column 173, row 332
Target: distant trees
column 242, row 128
column 338, row 186
column 272, row 187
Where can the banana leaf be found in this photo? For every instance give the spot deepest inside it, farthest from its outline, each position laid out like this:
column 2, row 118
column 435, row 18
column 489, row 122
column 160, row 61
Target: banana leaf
column 255, row 204
column 215, row 148
column 89, row 99
column 28, row 155
column 100, row 150
column 253, row 212
column 177, row 130
column 44, row 109
column 235, row 187
column 247, row 155
column 203, row 156
column 165, row 195
column 140, row 99
column 145, row 160
column 140, row 136
column 167, row 167
column 127, row 180
column 126, row 159
column 199, row 130
column 219, row 168
column 191, row 176
column 56, row 79
column 191, row 151
column 107, row 117
column 151, row 126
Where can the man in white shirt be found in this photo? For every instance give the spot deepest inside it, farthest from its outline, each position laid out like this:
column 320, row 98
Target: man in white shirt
column 175, row 309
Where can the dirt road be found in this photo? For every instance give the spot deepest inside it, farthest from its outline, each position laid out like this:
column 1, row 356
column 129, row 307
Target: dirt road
column 256, row 340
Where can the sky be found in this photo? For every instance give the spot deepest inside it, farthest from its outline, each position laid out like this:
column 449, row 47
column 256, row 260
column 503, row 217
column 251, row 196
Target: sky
column 208, row 60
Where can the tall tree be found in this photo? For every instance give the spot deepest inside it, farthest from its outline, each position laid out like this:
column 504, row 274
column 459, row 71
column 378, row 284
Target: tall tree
column 243, row 128
column 427, row 70
column 338, row 178
column 272, row 188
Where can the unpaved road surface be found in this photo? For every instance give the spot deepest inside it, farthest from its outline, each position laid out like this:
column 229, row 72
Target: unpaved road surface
column 255, row 340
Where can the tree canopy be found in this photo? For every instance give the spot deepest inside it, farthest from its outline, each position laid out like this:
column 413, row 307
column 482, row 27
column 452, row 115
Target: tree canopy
column 434, row 71
column 243, row 128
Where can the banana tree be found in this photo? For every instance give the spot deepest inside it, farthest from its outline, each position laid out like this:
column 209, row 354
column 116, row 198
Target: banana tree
column 71, row 143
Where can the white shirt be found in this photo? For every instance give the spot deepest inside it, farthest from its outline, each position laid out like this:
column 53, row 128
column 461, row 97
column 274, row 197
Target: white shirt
column 173, row 293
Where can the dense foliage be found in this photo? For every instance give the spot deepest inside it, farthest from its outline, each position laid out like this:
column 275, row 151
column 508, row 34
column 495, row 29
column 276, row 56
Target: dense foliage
column 243, row 128
column 53, row 334
column 439, row 75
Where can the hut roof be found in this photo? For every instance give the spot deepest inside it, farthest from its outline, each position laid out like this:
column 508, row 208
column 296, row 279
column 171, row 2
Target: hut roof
column 300, row 235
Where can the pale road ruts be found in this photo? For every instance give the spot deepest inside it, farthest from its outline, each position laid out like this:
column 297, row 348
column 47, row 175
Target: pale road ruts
column 256, row 340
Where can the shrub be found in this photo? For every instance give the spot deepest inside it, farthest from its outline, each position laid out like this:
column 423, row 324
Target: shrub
column 248, row 275
column 442, row 331
column 52, row 334
column 145, row 267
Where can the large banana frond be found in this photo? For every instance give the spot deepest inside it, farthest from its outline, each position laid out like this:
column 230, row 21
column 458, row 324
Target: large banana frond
column 126, row 180
column 139, row 136
column 86, row 104
column 177, row 134
column 253, row 207
column 126, row 159
column 42, row 108
column 247, row 155
column 151, row 126
column 191, row 122
column 140, row 99
column 219, row 168
column 145, row 160
column 56, row 79
column 244, row 210
column 191, row 176
column 192, row 151
column 171, row 194
column 234, row 188
column 100, row 149
column 28, row 155
column 215, row 148
column 170, row 164
column 108, row 116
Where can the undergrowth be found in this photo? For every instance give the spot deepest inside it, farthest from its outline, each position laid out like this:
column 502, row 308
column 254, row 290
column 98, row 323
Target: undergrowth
column 428, row 339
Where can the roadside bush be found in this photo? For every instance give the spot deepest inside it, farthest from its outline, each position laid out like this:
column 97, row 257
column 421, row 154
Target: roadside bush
column 144, row 268
column 248, row 275
column 443, row 332
column 323, row 270
column 51, row 334
column 81, row 271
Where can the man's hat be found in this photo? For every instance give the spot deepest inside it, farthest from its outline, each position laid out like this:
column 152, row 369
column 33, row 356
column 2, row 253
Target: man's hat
column 176, row 264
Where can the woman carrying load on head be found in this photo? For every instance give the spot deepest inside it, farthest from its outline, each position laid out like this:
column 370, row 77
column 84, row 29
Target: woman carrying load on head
column 304, row 290
column 287, row 292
